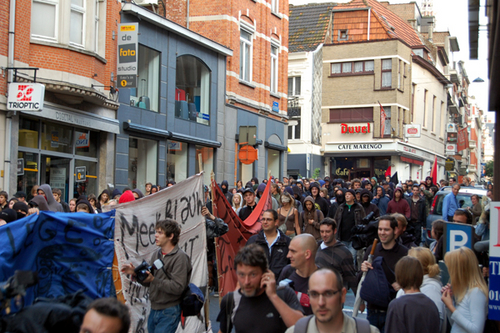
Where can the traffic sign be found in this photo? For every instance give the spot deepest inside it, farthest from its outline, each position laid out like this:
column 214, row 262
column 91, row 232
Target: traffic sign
column 458, row 235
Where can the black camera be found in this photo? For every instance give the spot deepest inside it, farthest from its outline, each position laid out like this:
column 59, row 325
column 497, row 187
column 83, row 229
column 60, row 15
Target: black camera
column 141, row 271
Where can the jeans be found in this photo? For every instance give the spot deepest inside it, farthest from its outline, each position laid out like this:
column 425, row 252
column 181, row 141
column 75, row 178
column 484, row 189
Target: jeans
column 377, row 319
column 357, row 255
column 164, row 321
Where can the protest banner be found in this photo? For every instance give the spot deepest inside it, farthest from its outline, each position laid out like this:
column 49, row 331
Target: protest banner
column 70, row 252
column 135, row 241
column 239, row 232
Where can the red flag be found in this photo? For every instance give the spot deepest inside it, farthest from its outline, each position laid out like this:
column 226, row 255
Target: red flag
column 388, row 172
column 434, row 171
column 463, row 139
column 382, row 121
column 239, row 232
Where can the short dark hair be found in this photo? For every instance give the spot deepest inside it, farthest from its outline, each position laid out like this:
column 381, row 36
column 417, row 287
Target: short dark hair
column 111, row 307
column 329, row 221
column 475, row 195
column 5, row 194
column 438, row 226
column 434, row 188
column 57, row 191
column 391, row 219
column 415, row 185
column 251, row 255
column 170, row 227
column 464, row 212
column 83, row 205
column 272, row 211
column 409, row 273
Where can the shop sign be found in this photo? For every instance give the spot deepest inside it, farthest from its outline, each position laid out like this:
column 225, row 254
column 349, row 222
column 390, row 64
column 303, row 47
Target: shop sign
column 20, row 166
column 174, row 146
column 80, row 174
column 127, row 55
column 276, row 107
column 451, row 128
column 449, row 165
column 451, row 137
column 360, row 147
column 342, row 172
column 54, row 139
column 25, row 97
column 346, row 129
column 451, row 148
column 82, row 139
column 413, row 131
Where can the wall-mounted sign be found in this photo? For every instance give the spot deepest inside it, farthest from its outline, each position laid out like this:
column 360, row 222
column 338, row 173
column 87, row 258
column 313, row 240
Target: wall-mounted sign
column 449, row 165
column 413, row 131
column 25, row 97
column 127, row 55
column 346, row 129
column 82, row 139
column 80, row 174
column 451, row 148
column 276, row 107
column 451, row 137
column 20, row 166
column 451, row 128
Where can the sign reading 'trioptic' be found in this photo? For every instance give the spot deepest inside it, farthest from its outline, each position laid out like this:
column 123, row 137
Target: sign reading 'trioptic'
column 127, row 55
column 25, row 97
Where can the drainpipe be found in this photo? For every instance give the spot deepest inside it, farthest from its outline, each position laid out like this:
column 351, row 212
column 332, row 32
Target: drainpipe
column 8, row 118
column 187, row 14
column 369, row 15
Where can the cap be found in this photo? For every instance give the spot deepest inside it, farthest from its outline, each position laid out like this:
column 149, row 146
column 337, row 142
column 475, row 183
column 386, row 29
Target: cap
column 248, row 189
column 351, row 191
column 20, row 206
column 8, row 215
column 20, row 194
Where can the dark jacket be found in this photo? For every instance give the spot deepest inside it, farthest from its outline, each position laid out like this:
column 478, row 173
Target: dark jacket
column 323, row 204
column 368, row 206
column 359, row 214
column 401, row 206
column 315, row 215
column 421, row 209
column 227, row 194
column 339, row 199
column 381, row 202
column 277, row 260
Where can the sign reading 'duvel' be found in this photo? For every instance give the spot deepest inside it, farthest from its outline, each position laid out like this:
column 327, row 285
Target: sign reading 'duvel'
column 346, row 129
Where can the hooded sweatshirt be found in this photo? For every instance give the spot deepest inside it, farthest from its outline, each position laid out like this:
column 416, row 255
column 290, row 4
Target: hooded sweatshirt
column 381, row 202
column 54, row 206
column 315, row 214
column 339, row 199
column 227, row 194
column 323, row 204
column 368, row 206
column 41, row 202
column 82, row 199
column 401, row 206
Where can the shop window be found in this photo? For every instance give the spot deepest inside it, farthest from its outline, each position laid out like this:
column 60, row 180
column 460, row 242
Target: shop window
column 245, row 55
column 56, row 137
column 192, row 90
column 294, row 86
column 205, row 158
column 29, row 172
column 351, row 115
column 274, row 69
column 86, row 143
column 142, row 166
column 147, row 94
column 89, row 186
column 28, row 133
column 273, row 162
column 387, row 73
column 177, row 160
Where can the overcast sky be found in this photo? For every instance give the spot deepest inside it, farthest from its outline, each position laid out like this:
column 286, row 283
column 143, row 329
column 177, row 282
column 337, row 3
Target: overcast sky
column 452, row 16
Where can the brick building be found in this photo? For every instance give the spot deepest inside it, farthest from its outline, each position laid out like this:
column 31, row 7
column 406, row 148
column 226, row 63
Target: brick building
column 77, row 60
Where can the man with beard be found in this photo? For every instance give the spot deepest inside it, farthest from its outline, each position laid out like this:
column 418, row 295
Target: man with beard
column 366, row 198
column 257, row 306
column 335, row 255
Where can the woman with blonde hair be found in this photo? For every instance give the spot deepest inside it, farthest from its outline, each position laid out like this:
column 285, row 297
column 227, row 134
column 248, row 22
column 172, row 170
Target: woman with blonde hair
column 288, row 215
column 431, row 284
column 237, row 201
column 466, row 299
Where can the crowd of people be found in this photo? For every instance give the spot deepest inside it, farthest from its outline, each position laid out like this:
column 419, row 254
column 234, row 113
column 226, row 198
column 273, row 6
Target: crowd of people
column 305, row 257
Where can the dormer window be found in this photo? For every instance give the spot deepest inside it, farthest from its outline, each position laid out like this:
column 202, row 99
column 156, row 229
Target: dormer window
column 343, row 34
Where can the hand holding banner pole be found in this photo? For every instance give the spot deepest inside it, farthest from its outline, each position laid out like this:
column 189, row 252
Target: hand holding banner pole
column 358, row 300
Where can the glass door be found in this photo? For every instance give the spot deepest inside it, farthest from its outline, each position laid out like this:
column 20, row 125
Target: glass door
column 55, row 171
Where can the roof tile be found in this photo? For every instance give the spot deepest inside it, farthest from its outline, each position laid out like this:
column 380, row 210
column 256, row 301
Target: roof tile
column 308, row 26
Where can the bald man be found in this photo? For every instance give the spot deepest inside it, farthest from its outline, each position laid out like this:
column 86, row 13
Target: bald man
column 302, row 255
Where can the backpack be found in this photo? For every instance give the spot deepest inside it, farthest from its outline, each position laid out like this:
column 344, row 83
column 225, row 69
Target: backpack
column 375, row 288
column 362, row 325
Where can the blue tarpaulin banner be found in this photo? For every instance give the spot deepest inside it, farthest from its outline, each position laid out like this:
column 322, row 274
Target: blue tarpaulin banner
column 70, row 252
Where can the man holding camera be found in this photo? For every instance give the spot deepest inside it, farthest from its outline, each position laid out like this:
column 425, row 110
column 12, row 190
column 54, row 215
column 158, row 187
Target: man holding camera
column 168, row 278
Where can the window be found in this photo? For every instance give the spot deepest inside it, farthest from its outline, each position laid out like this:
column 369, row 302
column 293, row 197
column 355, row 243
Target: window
column 399, row 74
column 433, row 115
column 294, row 129
column 294, row 86
column 425, row 108
column 443, row 115
column 388, row 127
column 357, row 67
column 81, row 24
column 146, row 95
column 343, row 35
column 274, row 6
column 77, row 19
column 351, row 115
column 245, row 55
column 274, row 69
column 44, row 19
column 192, row 90
column 142, row 164
column 177, row 160
column 387, row 73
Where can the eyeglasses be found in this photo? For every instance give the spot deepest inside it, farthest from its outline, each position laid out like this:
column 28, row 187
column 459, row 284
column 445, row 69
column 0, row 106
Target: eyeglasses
column 326, row 294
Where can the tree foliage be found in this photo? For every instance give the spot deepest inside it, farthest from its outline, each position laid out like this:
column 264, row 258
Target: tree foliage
column 489, row 168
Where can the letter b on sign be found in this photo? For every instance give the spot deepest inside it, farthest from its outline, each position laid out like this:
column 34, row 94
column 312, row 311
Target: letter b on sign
column 458, row 235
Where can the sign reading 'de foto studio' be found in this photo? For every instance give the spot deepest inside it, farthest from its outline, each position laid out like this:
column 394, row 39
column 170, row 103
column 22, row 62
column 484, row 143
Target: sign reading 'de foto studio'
column 25, row 97
column 127, row 55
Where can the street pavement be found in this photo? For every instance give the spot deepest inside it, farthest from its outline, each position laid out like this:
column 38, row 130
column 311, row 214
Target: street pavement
column 214, row 309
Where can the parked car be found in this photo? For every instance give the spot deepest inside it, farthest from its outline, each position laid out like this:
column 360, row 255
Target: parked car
column 436, row 212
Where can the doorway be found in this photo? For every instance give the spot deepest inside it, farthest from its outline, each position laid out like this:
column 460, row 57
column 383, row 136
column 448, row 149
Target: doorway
column 55, row 171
